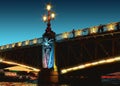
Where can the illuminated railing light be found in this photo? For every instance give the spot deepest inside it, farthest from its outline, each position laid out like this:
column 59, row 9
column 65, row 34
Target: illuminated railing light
column 13, row 45
column 7, row 46
column 20, row 43
column 111, row 26
column 35, row 41
column 65, row 35
column 2, row 47
column 26, row 42
column 93, row 29
column 78, row 33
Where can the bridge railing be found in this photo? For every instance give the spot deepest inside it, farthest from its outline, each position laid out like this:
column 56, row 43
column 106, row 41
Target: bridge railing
column 68, row 35
column 23, row 43
column 89, row 31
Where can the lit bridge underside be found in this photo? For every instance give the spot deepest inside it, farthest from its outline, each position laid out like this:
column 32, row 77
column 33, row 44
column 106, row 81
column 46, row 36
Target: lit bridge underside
column 13, row 66
column 25, row 58
column 89, row 52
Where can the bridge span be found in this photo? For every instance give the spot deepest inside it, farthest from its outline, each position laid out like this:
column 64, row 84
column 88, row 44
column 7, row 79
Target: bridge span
column 81, row 53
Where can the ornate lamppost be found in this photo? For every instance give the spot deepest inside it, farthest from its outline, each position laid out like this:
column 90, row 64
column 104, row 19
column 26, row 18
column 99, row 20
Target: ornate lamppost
column 48, row 73
column 47, row 18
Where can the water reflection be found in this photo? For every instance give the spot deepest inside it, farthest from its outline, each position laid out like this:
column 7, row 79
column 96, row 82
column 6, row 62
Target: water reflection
column 17, row 84
column 27, row 84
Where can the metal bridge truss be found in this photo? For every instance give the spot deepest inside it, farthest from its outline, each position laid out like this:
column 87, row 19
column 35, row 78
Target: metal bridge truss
column 87, row 48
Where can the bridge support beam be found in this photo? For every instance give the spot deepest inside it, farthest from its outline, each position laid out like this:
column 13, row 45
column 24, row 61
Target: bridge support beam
column 48, row 77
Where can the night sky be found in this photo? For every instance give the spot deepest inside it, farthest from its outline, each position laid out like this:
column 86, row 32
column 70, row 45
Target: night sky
column 22, row 19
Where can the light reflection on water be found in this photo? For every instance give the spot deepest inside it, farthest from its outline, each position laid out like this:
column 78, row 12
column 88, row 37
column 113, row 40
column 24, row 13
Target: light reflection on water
column 34, row 84
column 17, row 84
column 25, row 84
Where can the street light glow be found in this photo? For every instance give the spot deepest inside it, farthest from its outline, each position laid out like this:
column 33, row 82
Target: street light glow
column 48, row 7
column 52, row 15
column 44, row 18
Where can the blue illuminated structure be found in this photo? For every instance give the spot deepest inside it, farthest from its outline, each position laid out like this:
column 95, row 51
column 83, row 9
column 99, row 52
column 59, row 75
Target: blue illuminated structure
column 48, row 53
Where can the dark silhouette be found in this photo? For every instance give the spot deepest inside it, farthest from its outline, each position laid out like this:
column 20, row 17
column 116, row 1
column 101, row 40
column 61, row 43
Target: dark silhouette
column 118, row 26
column 100, row 28
column 89, row 32
column 73, row 33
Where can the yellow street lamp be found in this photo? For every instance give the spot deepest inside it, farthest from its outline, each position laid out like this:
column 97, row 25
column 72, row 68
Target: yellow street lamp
column 44, row 18
column 50, row 16
column 48, row 7
column 53, row 15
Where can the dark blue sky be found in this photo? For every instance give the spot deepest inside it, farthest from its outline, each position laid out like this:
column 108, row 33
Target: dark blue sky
column 21, row 19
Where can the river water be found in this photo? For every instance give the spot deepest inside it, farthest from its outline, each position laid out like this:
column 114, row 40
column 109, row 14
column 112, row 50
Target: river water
column 35, row 84
column 25, row 84
column 105, row 82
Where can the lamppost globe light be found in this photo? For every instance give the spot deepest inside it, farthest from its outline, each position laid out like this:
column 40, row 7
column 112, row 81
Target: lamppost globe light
column 44, row 18
column 48, row 7
column 53, row 15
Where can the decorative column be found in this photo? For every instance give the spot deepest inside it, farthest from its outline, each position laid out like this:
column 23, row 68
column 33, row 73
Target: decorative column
column 48, row 73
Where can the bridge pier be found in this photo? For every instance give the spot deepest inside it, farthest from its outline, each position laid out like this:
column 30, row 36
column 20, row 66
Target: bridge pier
column 48, row 77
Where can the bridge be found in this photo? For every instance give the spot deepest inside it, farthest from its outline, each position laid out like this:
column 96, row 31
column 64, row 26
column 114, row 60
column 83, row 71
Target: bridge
column 80, row 54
